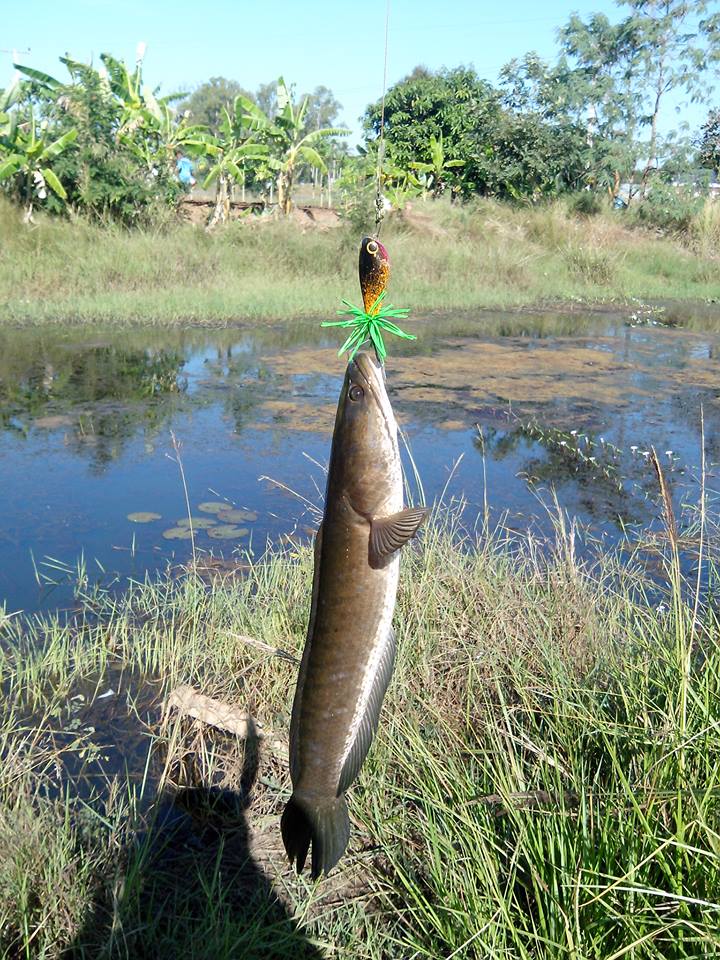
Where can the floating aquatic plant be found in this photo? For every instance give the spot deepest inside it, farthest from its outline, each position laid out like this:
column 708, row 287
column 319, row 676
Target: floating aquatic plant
column 227, row 531
column 177, row 533
column 236, row 516
column 197, row 523
column 370, row 326
column 213, row 506
column 143, row 516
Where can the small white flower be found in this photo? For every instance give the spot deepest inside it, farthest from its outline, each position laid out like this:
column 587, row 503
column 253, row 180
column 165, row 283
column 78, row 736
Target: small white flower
column 634, row 448
column 563, row 443
column 573, row 433
column 646, row 453
column 668, row 453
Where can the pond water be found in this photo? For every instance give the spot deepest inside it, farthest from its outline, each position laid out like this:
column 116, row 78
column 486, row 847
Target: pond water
column 499, row 409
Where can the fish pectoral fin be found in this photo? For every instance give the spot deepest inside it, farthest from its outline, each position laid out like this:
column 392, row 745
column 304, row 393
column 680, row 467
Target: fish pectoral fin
column 388, row 534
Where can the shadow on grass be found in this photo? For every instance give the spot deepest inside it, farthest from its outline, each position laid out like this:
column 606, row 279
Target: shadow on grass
column 189, row 888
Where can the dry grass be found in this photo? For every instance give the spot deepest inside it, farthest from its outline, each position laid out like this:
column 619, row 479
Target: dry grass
column 527, row 689
column 451, row 257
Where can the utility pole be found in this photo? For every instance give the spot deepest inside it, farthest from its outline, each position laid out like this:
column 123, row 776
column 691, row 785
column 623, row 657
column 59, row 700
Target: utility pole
column 16, row 54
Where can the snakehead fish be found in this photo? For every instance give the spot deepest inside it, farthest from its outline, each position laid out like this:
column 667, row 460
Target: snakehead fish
column 350, row 647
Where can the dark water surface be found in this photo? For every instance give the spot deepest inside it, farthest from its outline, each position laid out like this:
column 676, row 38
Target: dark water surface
column 86, row 417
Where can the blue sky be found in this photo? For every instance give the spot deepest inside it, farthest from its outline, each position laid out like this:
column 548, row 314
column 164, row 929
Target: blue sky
column 310, row 42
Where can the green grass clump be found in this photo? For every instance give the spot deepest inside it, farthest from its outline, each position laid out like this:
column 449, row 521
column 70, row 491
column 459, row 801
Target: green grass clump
column 544, row 785
column 450, row 257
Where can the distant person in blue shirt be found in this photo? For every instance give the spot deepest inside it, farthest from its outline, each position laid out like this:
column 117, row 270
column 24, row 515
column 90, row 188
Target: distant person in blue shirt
column 184, row 169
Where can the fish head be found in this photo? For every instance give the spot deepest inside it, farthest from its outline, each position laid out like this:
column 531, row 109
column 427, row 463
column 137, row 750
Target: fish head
column 365, row 448
column 374, row 269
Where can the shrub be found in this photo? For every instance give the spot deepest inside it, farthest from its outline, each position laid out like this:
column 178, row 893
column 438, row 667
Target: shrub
column 587, row 203
column 669, row 208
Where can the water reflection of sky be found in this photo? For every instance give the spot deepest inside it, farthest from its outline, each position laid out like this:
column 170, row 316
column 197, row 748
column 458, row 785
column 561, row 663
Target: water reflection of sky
column 85, row 422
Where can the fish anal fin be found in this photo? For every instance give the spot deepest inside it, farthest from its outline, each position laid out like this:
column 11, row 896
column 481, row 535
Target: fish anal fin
column 388, row 534
column 369, row 722
column 297, row 702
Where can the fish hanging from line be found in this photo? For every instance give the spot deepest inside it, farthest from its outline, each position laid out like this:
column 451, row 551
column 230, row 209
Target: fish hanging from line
column 350, row 647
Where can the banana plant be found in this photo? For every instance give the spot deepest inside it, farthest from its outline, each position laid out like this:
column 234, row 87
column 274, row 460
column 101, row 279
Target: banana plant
column 436, row 171
column 8, row 117
column 28, row 159
column 160, row 133
column 229, row 154
column 286, row 137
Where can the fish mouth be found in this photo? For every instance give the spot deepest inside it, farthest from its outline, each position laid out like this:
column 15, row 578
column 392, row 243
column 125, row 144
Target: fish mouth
column 368, row 368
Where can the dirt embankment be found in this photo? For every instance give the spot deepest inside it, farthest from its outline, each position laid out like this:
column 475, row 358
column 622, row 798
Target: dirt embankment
column 198, row 211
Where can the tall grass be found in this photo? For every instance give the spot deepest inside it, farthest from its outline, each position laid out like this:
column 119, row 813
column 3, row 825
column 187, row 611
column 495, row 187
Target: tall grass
column 545, row 782
column 444, row 257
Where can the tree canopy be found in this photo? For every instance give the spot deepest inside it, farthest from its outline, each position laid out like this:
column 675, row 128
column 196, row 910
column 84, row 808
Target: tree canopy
column 709, row 142
column 207, row 102
column 499, row 151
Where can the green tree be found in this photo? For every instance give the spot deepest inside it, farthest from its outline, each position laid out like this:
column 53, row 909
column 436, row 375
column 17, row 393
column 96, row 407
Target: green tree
column 436, row 171
column 322, row 109
column 453, row 104
column 229, row 154
column 206, row 103
column 27, row 160
column 266, row 98
column 502, row 153
column 289, row 141
column 586, row 88
column 709, row 142
column 122, row 161
column 674, row 42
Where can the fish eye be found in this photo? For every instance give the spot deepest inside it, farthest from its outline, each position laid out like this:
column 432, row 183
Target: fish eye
column 356, row 392
column 372, row 248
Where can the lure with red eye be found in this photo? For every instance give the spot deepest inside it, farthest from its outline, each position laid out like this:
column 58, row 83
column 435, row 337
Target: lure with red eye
column 374, row 268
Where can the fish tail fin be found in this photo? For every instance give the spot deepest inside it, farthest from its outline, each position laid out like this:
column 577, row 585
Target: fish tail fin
column 326, row 825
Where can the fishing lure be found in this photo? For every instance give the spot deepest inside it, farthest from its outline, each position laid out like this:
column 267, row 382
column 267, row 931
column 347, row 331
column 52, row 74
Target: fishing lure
column 376, row 317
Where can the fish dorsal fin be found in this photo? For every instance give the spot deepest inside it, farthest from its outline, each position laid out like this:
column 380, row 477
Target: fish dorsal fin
column 388, row 534
column 369, row 722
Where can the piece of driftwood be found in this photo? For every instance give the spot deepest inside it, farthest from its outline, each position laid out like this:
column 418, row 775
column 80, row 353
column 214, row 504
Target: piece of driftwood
column 261, row 645
column 216, row 713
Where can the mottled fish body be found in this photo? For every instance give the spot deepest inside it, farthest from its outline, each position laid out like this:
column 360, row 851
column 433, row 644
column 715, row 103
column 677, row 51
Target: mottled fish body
column 350, row 648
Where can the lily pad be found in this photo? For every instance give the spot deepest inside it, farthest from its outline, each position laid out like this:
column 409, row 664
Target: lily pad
column 198, row 523
column 177, row 533
column 144, row 516
column 236, row 516
column 227, row 531
column 213, row 506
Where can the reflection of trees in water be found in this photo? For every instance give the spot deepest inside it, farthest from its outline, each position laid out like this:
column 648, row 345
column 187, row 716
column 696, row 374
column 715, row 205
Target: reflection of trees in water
column 103, row 393
column 105, row 387
column 241, row 382
column 601, row 492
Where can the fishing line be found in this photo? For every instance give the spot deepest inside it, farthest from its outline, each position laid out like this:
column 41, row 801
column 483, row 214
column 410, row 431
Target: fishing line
column 379, row 203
